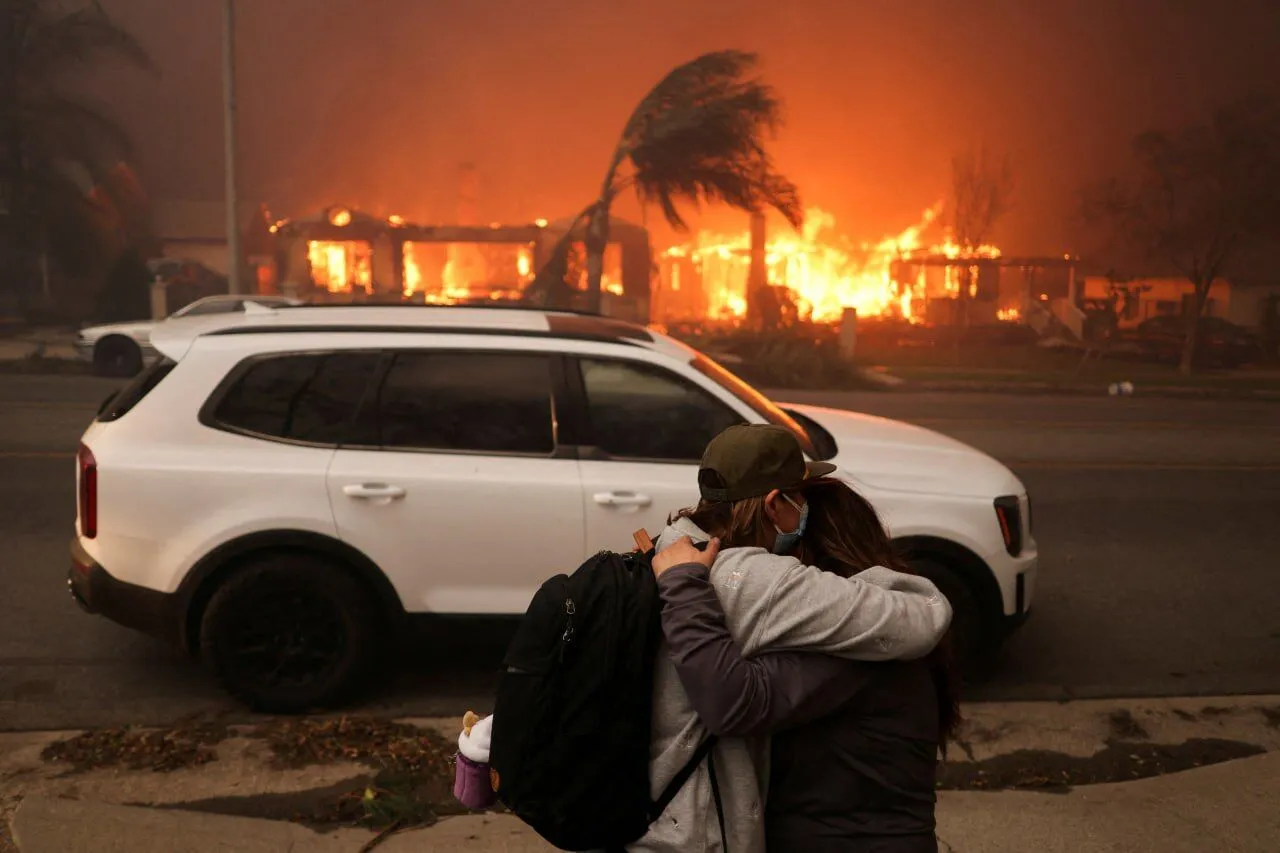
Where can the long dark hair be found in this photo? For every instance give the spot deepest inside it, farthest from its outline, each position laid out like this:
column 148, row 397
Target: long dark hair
column 845, row 536
column 740, row 524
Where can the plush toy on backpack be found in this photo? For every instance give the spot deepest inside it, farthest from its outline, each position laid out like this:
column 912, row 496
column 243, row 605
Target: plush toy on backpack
column 473, row 780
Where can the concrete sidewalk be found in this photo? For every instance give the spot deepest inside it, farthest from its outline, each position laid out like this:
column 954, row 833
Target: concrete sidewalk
column 1226, row 807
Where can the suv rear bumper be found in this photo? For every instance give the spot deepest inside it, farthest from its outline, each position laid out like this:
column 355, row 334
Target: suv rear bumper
column 96, row 591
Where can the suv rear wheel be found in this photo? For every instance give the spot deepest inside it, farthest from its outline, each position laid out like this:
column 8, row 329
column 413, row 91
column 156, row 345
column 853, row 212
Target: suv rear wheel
column 290, row 632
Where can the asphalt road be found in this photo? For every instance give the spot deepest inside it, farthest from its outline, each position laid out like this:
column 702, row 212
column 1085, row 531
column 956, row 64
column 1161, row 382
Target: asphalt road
column 1158, row 523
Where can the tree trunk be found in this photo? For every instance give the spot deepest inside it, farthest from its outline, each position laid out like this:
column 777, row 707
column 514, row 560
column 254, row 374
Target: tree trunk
column 960, row 319
column 22, row 262
column 596, row 242
column 1200, row 297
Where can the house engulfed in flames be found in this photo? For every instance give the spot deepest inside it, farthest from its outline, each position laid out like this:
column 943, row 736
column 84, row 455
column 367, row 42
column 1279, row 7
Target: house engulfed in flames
column 919, row 275
column 342, row 255
column 906, row 277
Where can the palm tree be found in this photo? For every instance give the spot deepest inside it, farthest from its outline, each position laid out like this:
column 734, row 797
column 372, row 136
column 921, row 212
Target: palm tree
column 697, row 137
column 53, row 145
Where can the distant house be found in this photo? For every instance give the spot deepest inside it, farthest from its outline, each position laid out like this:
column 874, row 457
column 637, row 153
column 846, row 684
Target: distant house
column 192, row 230
column 1249, row 302
column 1245, row 303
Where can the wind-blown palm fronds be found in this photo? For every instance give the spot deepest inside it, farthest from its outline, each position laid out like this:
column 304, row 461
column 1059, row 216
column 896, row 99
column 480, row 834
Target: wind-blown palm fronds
column 697, row 137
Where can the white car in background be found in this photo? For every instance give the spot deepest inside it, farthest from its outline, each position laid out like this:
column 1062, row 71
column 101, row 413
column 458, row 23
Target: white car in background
column 283, row 491
column 123, row 349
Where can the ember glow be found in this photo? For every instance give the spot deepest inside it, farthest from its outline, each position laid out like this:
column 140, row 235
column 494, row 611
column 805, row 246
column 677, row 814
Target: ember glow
column 825, row 272
column 449, row 273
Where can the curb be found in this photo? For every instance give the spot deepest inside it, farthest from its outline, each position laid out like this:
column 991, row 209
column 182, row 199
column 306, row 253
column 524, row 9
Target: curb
column 42, row 825
column 1227, row 806
column 1051, row 389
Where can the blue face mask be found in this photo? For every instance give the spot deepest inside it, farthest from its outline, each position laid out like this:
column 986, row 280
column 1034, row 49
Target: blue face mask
column 785, row 542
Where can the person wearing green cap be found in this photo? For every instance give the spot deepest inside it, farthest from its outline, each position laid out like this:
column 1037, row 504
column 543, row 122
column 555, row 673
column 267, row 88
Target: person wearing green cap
column 853, row 744
column 752, row 480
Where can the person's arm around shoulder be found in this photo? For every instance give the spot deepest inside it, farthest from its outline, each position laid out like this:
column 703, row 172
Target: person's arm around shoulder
column 878, row 614
column 732, row 695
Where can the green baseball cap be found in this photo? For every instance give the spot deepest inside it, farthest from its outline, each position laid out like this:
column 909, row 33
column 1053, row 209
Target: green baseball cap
column 751, row 460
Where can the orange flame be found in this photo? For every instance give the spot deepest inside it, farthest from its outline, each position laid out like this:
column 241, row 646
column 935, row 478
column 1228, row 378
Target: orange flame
column 340, row 265
column 457, row 272
column 825, row 272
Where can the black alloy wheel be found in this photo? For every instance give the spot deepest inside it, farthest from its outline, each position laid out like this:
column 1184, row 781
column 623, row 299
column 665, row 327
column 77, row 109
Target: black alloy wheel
column 290, row 633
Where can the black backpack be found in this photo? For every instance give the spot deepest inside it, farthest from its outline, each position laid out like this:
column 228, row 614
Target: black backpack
column 572, row 718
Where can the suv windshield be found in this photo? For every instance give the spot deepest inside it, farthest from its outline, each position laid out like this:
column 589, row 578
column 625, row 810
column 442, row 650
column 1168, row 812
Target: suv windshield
column 758, row 402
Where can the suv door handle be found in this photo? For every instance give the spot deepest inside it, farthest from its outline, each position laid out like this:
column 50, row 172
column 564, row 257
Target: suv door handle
column 380, row 492
column 622, row 499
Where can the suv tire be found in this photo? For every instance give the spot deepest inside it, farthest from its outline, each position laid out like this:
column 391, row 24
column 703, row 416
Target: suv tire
column 290, row 632
column 117, row 357
column 966, row 616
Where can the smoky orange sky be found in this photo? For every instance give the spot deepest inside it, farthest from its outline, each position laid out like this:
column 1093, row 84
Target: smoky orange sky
column 374, row 103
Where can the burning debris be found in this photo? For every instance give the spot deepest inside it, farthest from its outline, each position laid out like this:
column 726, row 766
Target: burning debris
column 823, row 272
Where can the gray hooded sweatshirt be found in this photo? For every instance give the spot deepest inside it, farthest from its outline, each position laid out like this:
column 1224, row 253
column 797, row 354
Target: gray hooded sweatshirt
column 772, row 603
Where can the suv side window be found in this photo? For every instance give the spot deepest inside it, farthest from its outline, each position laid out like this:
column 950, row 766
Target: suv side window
column 480, row 402
column 640, row 411
column 309, row 397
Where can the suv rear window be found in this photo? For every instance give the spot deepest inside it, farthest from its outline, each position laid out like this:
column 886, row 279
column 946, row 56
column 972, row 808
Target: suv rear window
column 308, row 397
column 122, row 402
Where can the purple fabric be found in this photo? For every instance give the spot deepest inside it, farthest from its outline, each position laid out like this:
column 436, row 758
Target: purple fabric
column 471, row 784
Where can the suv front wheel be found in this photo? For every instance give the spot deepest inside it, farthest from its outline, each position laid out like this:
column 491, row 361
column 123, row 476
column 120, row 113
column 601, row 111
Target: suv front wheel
column 966, row 616
column 289, row 633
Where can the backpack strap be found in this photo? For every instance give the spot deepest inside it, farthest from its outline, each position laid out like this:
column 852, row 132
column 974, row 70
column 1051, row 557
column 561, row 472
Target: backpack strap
column 715, row 795
column 677, row 782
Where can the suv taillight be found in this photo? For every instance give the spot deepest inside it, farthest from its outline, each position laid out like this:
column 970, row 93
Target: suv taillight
column 88, row 492
column 1009, row 515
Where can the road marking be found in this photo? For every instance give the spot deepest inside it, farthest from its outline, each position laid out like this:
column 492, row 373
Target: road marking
column 1090, row 465
column 48, row 404
column 36, row 455
column 1147, row 425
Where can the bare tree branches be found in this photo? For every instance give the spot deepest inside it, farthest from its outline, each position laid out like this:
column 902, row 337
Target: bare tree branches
column 1193, row 198
column 981, row 193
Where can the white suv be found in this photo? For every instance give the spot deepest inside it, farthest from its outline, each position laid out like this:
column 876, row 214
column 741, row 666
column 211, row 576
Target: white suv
column 285, row 488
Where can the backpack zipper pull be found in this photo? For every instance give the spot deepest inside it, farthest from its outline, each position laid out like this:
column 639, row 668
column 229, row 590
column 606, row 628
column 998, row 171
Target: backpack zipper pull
column 567, row 637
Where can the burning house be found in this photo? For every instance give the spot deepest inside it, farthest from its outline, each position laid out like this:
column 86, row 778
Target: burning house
column 751, row 278
column 821, row 276
column 344, row 255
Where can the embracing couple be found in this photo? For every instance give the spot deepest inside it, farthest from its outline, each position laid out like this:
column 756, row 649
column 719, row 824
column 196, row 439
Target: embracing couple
column 793, row 632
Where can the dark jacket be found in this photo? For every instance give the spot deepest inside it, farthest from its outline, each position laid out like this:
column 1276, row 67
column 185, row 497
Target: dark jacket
column 854, row 751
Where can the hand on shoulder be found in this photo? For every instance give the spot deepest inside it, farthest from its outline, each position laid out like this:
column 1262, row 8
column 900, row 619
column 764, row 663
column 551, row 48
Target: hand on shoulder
column 684, row 551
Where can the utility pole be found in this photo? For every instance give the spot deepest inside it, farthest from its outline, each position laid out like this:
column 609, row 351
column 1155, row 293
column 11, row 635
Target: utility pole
column 231, row 194
column 757, row 273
